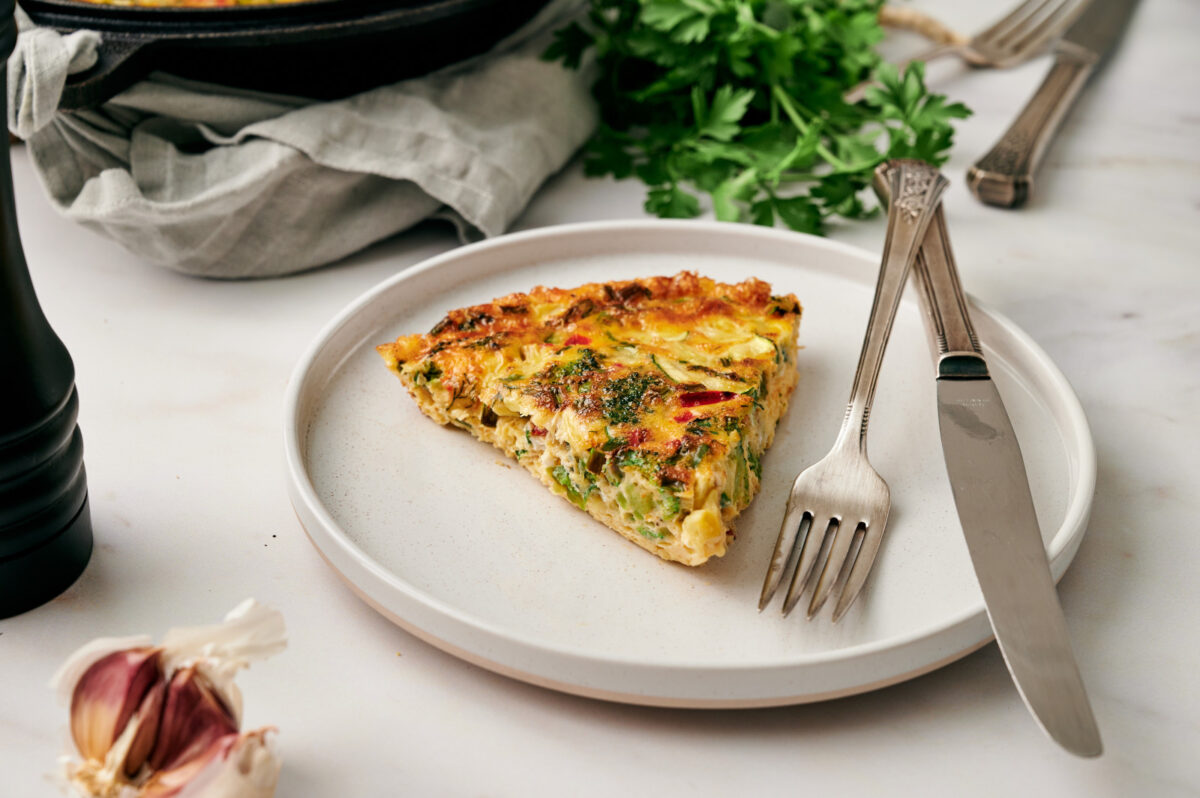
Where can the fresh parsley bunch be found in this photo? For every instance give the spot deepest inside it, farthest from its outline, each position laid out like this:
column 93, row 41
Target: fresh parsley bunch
column 743, row 100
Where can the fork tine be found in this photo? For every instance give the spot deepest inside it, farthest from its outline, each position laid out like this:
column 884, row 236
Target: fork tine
column 1027, row 24
column 1050, row 27
column 836, row 562
column 1013, row 18
column 814, row 545
column 784, row 545
column 860, row 569
column 1014, row 21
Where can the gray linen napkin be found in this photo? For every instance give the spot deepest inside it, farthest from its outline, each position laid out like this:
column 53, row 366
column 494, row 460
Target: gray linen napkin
column 219, row 182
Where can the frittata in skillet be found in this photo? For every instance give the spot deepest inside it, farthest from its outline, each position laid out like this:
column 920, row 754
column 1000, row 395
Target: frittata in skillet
column 648, row 403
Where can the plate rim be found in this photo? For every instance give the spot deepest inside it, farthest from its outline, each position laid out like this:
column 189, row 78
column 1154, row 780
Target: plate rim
column 305, row 501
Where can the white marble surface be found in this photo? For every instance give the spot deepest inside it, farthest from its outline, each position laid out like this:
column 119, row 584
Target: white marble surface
column 181, row 383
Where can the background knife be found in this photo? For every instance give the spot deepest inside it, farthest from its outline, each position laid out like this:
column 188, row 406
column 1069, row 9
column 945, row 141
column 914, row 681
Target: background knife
column 991, row 492
column 1004, row 176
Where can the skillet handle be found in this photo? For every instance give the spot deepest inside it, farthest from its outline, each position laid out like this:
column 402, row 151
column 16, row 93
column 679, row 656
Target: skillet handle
column 119, row 60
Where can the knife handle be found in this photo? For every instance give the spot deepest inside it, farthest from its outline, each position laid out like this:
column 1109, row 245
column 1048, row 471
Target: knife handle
column 955, row 344
column 952, row 337
column 1004, row 177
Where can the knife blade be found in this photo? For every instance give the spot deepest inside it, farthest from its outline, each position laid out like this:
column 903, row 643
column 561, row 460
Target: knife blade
column 991, row 492
column 1004, row 177
column 995, row 506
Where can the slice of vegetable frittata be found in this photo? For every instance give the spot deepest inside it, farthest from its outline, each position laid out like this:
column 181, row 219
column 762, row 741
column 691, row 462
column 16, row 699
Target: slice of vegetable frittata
column 648, row 403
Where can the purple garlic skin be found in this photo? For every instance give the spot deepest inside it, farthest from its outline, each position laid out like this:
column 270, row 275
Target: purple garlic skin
column 147, row 718
column 234, row 766
column 107, row 697
column 171, row 781
column 193, row 717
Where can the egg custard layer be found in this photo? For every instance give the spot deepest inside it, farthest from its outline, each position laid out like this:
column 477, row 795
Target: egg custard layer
column 647, row 403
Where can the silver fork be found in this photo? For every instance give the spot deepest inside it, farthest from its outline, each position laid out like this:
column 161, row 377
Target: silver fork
column 842, row 498
column 1021, row 35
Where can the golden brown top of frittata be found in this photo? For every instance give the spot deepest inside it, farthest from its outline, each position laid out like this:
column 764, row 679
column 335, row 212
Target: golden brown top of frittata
column 662, row 370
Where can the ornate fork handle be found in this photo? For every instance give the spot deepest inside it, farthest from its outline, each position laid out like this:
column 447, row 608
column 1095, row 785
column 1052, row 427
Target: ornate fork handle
column 917, row 189
column 1004, row 177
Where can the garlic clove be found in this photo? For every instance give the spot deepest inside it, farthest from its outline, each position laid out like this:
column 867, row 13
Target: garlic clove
column 121, row 768
column 145, row 723
column 107, row 695
column 233, row 766
column 71, row 671
column 171, row 782
column 193, row 717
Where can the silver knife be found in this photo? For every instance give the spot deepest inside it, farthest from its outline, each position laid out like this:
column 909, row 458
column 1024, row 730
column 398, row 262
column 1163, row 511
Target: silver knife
column 1004, row 176
column 995, row 507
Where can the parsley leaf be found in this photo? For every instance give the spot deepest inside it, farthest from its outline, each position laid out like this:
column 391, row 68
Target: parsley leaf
column 720, row 119
column 743, row 101
column 672, row 202
column 570, row 43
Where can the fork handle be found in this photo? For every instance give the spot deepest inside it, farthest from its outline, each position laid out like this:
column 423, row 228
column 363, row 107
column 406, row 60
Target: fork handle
column 917, row 189
column 1004, row 177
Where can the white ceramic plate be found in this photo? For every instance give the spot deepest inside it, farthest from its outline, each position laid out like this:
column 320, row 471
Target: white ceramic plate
column 439, row 533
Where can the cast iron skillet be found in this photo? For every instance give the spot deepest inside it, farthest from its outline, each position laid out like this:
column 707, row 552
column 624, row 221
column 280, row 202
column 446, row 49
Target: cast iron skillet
column 321, row 49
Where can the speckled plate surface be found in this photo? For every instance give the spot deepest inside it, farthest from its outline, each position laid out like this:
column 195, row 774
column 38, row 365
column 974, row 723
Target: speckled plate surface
column 442, row 535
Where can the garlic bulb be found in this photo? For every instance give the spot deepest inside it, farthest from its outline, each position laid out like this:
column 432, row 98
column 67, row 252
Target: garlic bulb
column 158, row 721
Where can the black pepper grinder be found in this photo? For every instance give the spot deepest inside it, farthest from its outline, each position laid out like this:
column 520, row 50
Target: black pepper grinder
column 45, row 527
